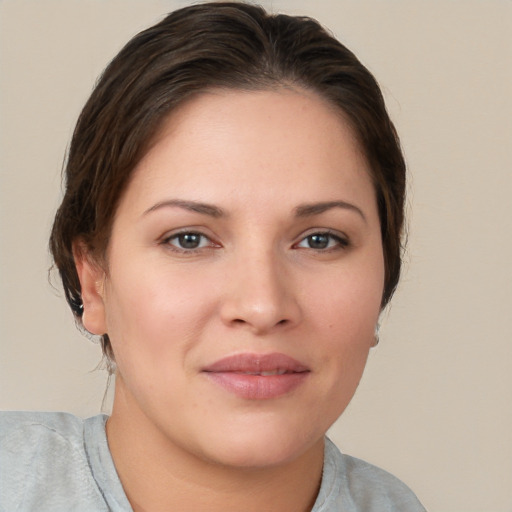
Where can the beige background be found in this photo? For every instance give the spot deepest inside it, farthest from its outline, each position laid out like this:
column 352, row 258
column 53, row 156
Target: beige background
column 435, row 405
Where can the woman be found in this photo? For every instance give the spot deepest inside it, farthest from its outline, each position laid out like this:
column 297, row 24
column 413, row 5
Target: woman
column 231, row 229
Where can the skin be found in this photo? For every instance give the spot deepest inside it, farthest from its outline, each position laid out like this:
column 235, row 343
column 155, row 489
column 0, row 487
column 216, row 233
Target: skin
column 256, row 284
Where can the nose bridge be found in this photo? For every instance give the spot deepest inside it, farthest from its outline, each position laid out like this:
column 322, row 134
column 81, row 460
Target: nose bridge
column 261, row 291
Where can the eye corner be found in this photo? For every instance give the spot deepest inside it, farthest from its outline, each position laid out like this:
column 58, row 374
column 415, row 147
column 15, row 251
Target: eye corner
column 188, row 241
column 323, row 241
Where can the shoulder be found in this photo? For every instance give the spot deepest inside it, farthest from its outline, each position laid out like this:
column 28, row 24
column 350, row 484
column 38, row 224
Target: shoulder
column 354, row 485
column 43, row 451
column 10, row 421
column 38, row 435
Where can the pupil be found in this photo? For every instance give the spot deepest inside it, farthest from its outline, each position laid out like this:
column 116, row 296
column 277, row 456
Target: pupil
column 189, row 240
column 318, row 241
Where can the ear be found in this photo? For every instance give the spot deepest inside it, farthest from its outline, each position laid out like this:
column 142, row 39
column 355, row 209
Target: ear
column 92, row 283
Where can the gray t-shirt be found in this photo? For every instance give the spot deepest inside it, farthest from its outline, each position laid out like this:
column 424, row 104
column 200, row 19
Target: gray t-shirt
column 57, row 462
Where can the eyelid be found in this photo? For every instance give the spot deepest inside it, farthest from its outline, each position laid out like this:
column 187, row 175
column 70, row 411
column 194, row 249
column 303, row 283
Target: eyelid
column 166, row 240
column 342, row 239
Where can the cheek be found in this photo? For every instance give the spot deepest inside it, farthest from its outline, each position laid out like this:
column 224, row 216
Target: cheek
column 345, row 312
column 157, row 317
column 348, row 304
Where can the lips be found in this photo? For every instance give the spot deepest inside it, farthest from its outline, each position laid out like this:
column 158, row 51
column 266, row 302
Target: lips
column 258, row 376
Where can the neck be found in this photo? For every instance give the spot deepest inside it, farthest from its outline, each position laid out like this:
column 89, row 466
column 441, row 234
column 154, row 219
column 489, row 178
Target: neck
column 158, row 475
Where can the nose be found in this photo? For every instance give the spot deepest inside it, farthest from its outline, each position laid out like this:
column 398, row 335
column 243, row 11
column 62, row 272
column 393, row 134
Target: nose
column 261, row 295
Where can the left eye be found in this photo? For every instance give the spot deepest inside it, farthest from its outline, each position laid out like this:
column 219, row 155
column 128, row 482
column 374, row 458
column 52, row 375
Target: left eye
column 189, row 241
column 321, row 241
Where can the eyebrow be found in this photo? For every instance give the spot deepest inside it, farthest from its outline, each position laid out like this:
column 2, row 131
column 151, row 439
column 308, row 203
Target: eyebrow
column 193, row 206
column 308, row 210
column 304, row 210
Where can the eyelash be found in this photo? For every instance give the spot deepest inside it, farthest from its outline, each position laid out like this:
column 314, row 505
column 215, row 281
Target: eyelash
column 167, row 241
column 340, row 242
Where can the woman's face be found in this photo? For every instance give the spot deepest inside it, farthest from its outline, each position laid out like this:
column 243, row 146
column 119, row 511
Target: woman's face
column 245, row 275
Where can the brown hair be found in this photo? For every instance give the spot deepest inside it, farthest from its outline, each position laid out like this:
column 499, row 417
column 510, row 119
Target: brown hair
column 222, row 44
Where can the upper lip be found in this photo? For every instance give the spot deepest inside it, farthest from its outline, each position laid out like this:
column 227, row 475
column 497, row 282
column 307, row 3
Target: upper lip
column 257, row 364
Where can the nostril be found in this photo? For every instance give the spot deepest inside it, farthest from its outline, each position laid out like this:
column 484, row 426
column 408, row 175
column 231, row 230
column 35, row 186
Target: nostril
column 240, row 321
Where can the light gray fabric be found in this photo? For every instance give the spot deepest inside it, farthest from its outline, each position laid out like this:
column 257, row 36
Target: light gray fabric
column 57, row 462
column 352, row 485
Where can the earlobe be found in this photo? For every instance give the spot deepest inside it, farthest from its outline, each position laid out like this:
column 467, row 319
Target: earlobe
column 376, row 335
column 92, row 282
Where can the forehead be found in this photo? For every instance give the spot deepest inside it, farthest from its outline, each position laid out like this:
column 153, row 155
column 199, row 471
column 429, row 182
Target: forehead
column 276, row 143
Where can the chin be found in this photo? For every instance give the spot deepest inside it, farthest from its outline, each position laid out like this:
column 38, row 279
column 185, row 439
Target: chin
column 254, row 456
column 261, row 446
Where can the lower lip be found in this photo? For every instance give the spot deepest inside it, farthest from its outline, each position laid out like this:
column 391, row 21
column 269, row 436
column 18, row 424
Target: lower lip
column 258, row 387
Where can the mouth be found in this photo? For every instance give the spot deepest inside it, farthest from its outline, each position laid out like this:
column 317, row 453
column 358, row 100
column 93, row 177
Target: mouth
column 265, row 373
column 258, row 376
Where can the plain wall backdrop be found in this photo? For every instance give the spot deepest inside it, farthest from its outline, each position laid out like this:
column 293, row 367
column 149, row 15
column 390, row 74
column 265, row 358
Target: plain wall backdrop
column 435, row 404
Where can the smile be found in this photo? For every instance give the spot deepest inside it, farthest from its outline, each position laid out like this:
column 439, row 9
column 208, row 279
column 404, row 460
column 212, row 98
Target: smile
column 266, row 374
column 258, row 376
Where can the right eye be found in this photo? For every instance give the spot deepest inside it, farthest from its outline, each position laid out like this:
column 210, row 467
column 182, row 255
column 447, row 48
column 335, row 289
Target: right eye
column 188, row 241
